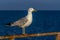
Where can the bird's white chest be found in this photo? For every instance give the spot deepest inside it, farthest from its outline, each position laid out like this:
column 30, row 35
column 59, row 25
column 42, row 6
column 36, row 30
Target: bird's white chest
column 29, row 20
column 29, row 17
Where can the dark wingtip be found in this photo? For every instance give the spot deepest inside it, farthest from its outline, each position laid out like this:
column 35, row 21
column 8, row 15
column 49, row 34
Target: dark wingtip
column 9, row 24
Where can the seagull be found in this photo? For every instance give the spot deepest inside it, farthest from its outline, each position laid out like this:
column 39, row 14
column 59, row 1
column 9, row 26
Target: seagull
column 25, row 21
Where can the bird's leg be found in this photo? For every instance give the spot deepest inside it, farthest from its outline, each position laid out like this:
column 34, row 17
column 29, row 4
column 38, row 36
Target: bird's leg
column 23, row 30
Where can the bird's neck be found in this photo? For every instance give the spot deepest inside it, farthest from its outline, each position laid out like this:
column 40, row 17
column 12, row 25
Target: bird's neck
column 29, row 15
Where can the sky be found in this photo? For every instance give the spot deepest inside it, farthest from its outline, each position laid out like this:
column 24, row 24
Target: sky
column 25, row 4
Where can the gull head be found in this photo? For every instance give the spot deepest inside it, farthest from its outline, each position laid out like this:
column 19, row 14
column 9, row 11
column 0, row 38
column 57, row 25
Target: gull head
column 32, row 10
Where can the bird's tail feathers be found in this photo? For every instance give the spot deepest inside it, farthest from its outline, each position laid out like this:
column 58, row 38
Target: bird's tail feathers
column 9, row 24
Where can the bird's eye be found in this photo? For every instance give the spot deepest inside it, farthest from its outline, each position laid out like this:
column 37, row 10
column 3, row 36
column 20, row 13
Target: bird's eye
column 31, row 9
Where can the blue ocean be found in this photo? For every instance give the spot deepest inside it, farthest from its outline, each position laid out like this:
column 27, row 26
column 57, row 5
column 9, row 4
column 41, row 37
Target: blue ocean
column 43, row 21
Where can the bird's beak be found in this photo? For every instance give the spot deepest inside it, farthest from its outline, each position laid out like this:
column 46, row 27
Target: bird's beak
column 35, row 11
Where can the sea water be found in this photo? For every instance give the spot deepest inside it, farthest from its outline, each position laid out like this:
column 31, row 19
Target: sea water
column 43, row 21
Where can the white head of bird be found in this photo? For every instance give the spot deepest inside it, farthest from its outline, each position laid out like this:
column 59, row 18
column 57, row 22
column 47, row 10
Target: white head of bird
column 32, row 10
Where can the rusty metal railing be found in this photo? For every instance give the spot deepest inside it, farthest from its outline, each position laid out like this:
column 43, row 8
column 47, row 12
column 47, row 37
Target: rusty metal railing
column 12, row 37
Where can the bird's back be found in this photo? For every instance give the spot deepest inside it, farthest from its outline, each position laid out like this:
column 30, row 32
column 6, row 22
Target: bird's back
column 21, row 22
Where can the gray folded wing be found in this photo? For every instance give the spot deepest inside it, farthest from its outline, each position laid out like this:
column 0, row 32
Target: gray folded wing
column 21, row 21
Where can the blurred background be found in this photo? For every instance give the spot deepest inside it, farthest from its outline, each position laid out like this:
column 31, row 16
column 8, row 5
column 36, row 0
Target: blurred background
column 25, row 4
